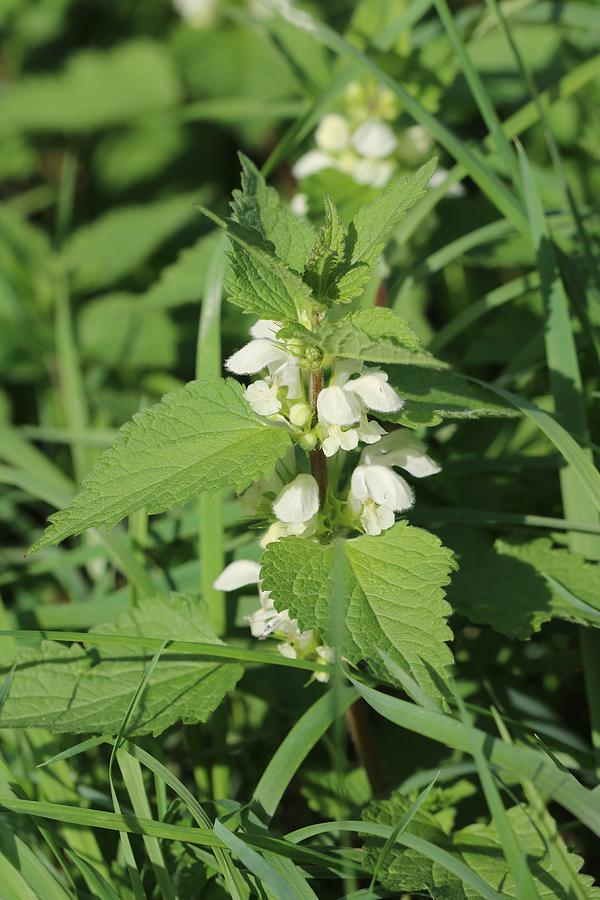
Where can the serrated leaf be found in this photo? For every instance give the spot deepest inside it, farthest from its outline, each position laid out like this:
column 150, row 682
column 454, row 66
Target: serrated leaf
column 112, row 246
column 379, row 335
column 336, row 795
column 260, row 207
column 432, row 396
column 506, row 584
column 131, row 80
column 327, row 255
column 203, row 437
column 373, row 224
column 402, row 869
column 392, row 590
column 257, row 280
column 72, row 689
column 479, row 846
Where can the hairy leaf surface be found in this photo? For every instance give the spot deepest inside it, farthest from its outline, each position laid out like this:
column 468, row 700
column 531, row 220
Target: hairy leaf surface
column 389, row 590
column 373, row 224
column 203, row 437
column 260, row 207
column 432, row 396
column 72, row 689
column 377, row 335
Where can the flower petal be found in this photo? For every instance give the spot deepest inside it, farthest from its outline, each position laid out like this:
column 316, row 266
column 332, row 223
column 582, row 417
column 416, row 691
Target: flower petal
column 374, row 139
column 262, row 397
column 254, row 356
column 298, row 501
column 311, row 162
column 375, row 393
column 333, row 133
column 265, row 328
column 403, row 449
column 238, row 574
column 336, row 406
column 382, row 485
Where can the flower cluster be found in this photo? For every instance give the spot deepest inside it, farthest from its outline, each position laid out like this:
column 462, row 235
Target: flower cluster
column 267, row 622
column 361, row 141
column 334, row 421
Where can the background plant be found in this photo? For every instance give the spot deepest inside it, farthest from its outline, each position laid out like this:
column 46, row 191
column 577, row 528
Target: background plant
column 111, row 298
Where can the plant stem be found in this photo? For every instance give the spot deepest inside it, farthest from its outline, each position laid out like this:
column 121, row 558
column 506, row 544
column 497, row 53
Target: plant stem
column 363, row 738
column 357, row 720
column 318, row 463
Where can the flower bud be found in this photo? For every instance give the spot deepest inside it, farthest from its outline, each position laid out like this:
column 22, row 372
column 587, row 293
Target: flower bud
column 300, row 414
column 308, row 441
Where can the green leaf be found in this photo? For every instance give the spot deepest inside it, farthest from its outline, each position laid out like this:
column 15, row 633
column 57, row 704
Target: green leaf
column 327, row 254
column 377, row 335
column 112, row 246
column 260, row 207
column 335, row 795
column 432, row 396
column 258, row 281
column 203, row 437
column 392, row 595
column 183, row 281
column 402, row 869
column 126, row 82
column 515, row 586
column 372, row 226
column 71, row 689
column 480, row 847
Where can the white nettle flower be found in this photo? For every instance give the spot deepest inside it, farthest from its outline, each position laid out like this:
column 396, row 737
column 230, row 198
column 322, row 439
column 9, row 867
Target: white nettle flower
column 403, row 449
column 346, row 399
column 376, row 494
column 374, row 139
column 298, row 502
column 312, row 162
column 266, row 620
column 199, row 13
column 376, row 172
column 299, row 204
column 333, row 133
column 287, row 529
column 263, row 352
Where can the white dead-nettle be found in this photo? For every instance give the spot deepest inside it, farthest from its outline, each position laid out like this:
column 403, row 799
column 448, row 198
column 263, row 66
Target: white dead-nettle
column 267, row 622
column 298, row 502
column 363, row 153
column 299, row 204
column 403, row 449
column 374, row 139
column 345, row 403
column 198, row 13
column 376, row 494
column 264, row 352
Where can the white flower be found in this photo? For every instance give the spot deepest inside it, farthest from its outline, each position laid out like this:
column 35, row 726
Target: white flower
column 374, row 139
column 312, row 162
column 333, row 133
column 238, row 574
column 337, row 439
column 326, row 656
column 262, row 397
column 265, row 328
column 299, row 204
column 376, row 172
column 439, row 176
column 335, row 406
column 263, row 352
column 403, row 449
column 374, row 391
column 199, row 13
column 256, row 355
column 298, row 501
column 369, row 432
column 376, row 493
column 278, row 530
column 419, row 138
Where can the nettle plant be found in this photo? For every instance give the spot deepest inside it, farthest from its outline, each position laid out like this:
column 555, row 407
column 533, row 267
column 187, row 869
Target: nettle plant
column 315, row 440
